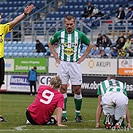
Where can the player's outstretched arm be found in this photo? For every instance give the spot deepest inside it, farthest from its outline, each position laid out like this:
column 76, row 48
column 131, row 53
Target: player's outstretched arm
column 128, row 118
column 19, row 18
column 98, row 112
column 59, row 116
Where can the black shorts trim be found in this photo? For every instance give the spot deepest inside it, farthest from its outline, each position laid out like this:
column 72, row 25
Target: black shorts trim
column 52, row 120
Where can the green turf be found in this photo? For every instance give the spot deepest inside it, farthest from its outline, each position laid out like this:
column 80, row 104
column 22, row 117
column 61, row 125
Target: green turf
column 13, row 107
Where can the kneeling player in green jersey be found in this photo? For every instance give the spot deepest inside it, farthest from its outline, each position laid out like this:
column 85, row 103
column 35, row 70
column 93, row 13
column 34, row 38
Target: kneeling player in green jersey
column 113, row 100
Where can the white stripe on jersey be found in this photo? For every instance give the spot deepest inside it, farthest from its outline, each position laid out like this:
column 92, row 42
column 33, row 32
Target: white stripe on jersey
column 62, row 42
column 73, row 43
column 102, row 89
column 69, row 46
column 76, row 42
column 109, row 87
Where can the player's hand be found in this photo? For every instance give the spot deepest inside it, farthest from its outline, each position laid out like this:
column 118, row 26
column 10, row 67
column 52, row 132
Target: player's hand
column 57, row 60
column 28, row 9
column 97, row 125
column 128, row 125
column 81, row 59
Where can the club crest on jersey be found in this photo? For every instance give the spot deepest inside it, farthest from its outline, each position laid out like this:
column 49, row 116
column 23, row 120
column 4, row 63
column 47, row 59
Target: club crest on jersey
column 69, row 51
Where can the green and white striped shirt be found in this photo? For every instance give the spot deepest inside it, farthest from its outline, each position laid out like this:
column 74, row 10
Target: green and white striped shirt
column 111, row 86
column 69, row 44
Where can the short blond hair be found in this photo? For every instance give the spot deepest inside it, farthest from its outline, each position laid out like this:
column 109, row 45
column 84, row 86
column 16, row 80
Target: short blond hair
column 55, row 82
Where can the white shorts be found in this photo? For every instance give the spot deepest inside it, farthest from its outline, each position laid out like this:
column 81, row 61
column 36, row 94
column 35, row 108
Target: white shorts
column 115, row 104
column 70, row 71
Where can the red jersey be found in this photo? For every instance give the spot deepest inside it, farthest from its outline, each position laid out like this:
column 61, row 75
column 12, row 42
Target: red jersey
column 43, row 107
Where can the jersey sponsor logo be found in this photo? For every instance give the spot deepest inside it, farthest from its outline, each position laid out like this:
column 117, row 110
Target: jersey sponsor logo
column 69, row 51
column 70, row 44
column 18, row 80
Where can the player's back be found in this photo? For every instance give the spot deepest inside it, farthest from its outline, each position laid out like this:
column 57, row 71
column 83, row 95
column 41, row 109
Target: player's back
column 112, row 85
column 45, row 104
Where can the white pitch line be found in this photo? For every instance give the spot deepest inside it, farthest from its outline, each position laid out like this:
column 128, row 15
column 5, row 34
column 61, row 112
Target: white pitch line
column 20, row 128
column 62, row 129
column 5, row 130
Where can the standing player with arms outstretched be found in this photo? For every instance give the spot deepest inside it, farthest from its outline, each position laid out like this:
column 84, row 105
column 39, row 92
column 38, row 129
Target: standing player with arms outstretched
column 70, row 40
column 4, row 29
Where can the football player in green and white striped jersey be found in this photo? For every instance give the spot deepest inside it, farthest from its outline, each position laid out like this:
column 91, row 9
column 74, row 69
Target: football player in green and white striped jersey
column 68, row 57
column 112, row 98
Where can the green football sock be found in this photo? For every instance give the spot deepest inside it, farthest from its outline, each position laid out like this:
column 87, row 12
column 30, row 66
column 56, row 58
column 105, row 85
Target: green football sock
column 78, row 104
column 65, row 102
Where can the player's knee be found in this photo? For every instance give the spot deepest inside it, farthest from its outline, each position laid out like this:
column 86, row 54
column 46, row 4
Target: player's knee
column 63, row 90
column 77, row 91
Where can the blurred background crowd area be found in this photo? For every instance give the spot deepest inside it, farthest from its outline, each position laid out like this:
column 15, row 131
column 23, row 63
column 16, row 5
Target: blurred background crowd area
column 108, row 24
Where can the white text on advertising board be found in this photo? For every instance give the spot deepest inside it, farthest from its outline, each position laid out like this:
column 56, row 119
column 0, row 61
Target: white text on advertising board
column 94, row 86
column 20, row 67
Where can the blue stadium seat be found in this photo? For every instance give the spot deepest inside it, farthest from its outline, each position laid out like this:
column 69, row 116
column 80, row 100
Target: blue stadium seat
column 10, row 54
column 15, row 54
column 41, row 54
column 35, row 54
column 30, row 54
column 25, row 48
column 20, row 49
column 6, row 54
column 20, row 54
column 25, row 54
column 14, row 48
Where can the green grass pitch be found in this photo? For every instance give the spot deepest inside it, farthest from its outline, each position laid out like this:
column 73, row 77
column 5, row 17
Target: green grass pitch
column 13, row 107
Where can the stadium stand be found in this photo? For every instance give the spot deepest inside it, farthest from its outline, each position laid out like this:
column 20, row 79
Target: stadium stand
column 12, row 8
column 23, row 49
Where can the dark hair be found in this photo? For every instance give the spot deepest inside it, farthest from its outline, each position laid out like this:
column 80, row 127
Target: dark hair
column 111, row 77
column 37, row 41
column 120, row 6
column 34, row 67
column 129, row 7
column 69, row 17
column 128, row 38
column 104, row 35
